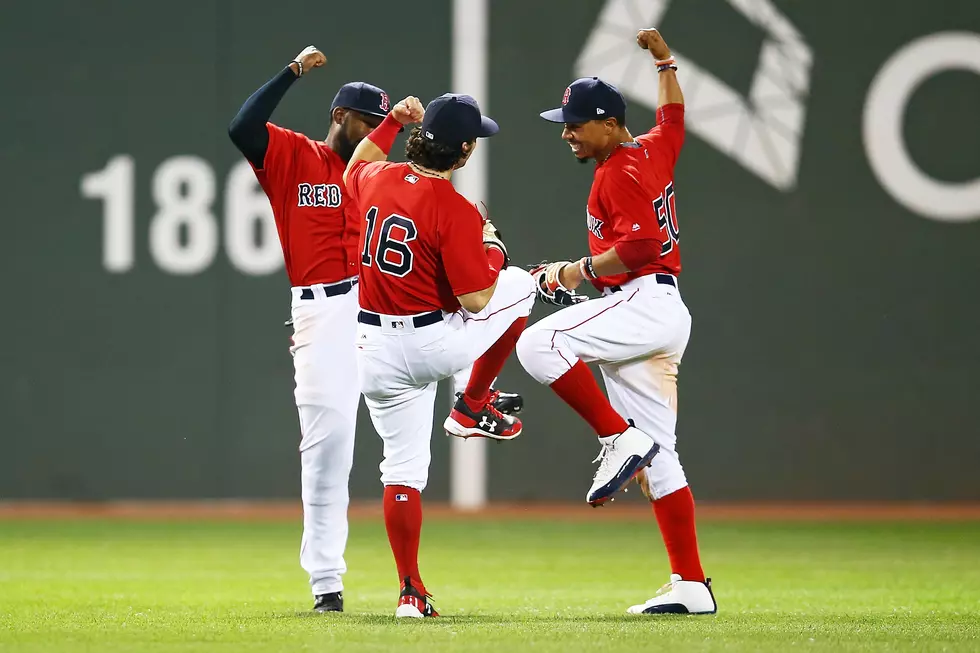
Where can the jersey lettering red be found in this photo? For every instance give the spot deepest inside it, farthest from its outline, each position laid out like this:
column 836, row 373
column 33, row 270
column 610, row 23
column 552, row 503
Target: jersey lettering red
column 632, row 197
column 317, row 223
column 422, row 242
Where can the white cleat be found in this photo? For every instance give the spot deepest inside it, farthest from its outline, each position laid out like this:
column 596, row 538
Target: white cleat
column 621, row 458
column 680, row 597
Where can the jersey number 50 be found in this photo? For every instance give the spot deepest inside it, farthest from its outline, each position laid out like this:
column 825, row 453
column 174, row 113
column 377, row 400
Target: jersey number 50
column 393, row 255
column 667, row 218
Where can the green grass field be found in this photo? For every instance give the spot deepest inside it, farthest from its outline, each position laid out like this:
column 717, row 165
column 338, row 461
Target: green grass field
column 502, row 586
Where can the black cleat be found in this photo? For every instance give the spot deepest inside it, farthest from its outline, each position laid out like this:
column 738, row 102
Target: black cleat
column 508, row 403
column 332, row 602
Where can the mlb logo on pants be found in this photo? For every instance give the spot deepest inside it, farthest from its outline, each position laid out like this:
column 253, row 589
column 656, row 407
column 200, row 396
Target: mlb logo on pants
column 401, row 497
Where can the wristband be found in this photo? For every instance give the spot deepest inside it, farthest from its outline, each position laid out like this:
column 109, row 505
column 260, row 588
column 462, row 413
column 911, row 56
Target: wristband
column 384, row 135
column 585, row 267
column 299, row 65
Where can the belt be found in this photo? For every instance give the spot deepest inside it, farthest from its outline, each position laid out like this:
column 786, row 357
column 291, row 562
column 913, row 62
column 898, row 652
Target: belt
column 330, row 290
column 373, row 319
column 666, row 279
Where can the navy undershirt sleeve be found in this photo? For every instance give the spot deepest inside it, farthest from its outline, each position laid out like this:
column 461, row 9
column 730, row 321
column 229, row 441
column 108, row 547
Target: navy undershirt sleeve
column 247, row 130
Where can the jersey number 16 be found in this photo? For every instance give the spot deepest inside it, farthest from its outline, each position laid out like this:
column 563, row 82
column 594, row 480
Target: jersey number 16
column 392, row 254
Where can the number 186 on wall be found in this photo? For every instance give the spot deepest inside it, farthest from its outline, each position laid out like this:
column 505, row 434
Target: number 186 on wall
column 183, row 231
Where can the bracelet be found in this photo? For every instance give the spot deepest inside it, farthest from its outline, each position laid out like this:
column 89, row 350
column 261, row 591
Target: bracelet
column 660, row 69
column 299, row 64
column 664, row 62
column 585, row 267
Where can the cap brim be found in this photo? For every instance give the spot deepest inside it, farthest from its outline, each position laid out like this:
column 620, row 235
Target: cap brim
column 561, row 115
column 488, row 127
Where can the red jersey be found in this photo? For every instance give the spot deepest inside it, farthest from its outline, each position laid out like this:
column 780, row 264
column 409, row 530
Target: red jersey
column 632, row 197
column 422, row 242
column 317, row 223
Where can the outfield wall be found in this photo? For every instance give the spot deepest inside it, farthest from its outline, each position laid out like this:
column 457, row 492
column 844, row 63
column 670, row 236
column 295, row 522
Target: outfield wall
column 827, row 196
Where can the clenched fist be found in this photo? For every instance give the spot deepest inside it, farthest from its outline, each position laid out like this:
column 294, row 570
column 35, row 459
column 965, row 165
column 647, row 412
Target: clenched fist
column 408, row 110
column 308, row 59
column 650, row 39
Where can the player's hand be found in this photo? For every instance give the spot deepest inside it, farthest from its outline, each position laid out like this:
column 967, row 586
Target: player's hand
column 570, row 276
column 408, row 110
column 650, row 39
column 311, row 58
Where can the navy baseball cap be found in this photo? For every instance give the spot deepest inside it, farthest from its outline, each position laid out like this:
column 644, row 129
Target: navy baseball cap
column 588, row 98
column 362, row 97
column 452, row 119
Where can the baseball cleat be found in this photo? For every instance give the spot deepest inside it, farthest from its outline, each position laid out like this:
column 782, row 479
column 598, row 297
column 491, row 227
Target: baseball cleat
column 508, row 403
column 488, row 422
column 332, row 602
column 414, row 604
column 680, row 597
column 621, row 458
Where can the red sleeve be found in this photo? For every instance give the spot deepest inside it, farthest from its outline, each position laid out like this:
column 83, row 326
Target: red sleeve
column 668, row 136
column 461, row 247
column 636, row 254
column 278, row 165
column 628, row 205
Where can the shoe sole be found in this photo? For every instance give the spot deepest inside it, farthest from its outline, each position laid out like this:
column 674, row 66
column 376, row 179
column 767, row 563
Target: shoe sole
column 407, row 611
column 456, row 429
column 644, row 461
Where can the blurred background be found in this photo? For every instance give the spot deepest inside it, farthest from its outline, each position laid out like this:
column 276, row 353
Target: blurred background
column 828, row 197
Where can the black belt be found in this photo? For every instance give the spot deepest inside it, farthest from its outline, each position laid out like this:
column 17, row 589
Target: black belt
column 332, row 290
column 365, row 317
column 666, row 279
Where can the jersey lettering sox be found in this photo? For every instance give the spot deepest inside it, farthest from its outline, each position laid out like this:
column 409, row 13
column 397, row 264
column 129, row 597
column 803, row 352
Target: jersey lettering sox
column 421, row 244
column 632, row 197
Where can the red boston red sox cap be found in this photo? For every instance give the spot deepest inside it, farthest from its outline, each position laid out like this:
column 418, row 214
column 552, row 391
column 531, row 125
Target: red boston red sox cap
column 588, row 98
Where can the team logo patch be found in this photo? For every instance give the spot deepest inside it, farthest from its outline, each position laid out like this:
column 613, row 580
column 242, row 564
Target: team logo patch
column 568, row 94
column 385, row 103
column 401, row 497
column 412, row 179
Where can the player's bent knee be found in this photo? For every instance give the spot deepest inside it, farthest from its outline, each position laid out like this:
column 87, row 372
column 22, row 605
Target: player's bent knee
column 534, row 351
column 665, row 475
column 519, row 284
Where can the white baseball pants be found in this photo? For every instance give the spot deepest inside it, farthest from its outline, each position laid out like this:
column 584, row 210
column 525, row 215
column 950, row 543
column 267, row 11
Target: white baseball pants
column 637, row 336
column 399, row 366
column 326, row 398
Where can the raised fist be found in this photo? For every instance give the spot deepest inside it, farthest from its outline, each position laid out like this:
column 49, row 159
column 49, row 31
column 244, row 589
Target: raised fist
column 650, row 39
column 408, row 110
column 310, row 58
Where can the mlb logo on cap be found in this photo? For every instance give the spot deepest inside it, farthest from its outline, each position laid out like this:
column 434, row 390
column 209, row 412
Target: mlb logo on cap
column 401, row 497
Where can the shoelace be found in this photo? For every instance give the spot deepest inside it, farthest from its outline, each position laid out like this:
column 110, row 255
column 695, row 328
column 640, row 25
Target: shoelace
column 604, row 459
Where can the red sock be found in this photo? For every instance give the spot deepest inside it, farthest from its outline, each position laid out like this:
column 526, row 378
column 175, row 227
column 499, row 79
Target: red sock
column 578, row 388
column 403, row 521
column 675, row 516
column 488, row 366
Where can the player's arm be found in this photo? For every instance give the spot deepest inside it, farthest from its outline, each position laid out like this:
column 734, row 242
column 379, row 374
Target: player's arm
column 378, row 143
column 248, row 128
column 628, row 207
column 669, row 91
column 472, row 266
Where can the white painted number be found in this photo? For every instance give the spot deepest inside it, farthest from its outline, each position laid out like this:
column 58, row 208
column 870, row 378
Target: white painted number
column 114, row 186
column 183, row 233
column 250, row 230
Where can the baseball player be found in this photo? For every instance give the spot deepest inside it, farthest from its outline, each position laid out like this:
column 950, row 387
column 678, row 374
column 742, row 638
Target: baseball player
column 318, row 229
column 638, row 330
column 436, row 295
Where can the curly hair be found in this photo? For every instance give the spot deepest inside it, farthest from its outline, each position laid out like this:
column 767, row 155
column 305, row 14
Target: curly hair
column 432, row 155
